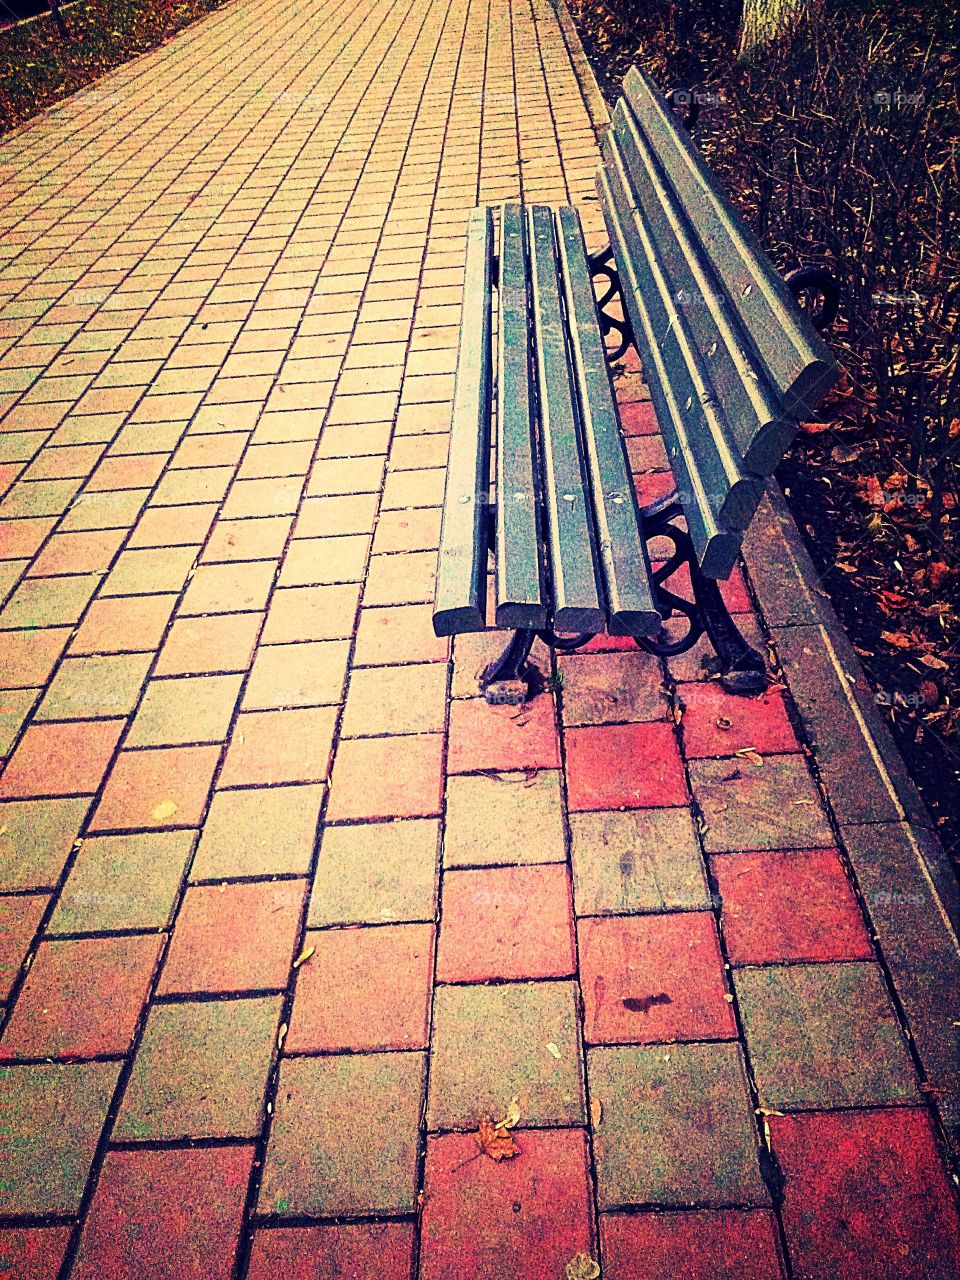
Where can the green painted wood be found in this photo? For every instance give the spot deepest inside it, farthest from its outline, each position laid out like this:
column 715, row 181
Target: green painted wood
column 796, row 359
column 460, row 597
column 761, row 429
column 623, row 557
column 732, row 494
column 574, row 579
column 701, row 437
column 716, row 547
column 521, row 594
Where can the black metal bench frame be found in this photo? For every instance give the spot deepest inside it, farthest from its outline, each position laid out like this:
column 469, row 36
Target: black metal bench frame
column 742, row 669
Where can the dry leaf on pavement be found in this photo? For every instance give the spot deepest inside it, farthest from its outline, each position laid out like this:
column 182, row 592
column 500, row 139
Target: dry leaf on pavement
column 583, row 1267
column 495, row 1141
column 512, row 1118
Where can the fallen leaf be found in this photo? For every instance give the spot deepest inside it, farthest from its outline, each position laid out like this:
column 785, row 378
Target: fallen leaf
column 512, row 1118
column 495, row 1141
column 897, row 639
column 165, row 809
column 929, row 691
column 553, row 1051
column 936, row 664
column 303, row 957
column 749, row 753
column 596, row 1112
column 845, row 453
column 938, row 572
column 282, row 1035
column 890, row 600
column 583, row 1267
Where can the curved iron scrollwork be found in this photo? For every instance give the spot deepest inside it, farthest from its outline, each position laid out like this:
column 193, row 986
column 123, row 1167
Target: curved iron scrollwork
column 667, row 602
column 512, row 663
column 742, row 668
column 566, row 644
column 820, row 286
column 603, row 266
column 687, row 102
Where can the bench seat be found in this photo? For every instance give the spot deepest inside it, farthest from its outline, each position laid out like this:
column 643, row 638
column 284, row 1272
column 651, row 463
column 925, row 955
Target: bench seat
column 569, row 547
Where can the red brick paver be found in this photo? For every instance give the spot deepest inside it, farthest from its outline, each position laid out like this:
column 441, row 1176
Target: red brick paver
column 847, row 1172
column 382, row 1249
column 528, row 1216
column 157, row 1213
column 723, row 1244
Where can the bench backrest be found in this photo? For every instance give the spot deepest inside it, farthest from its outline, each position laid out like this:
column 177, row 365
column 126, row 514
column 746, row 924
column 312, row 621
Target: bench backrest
column 730, row 358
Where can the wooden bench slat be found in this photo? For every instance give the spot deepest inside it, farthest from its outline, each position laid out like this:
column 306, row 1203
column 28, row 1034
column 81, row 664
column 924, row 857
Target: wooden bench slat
column 703, row 477
column 575, row 584
column 461, row 589
column 521, row 596
column 754, row 411
column 622, row 550
column 797, row 361
column 732, row 494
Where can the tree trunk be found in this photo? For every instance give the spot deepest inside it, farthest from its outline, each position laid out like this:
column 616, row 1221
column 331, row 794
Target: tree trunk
column 766, row 22
column 58, row 18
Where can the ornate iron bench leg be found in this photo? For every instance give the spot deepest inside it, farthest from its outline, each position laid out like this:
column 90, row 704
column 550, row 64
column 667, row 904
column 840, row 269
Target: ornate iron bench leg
column 742, row 668
column 603, row 267
column 510, row 678
column 505, row 680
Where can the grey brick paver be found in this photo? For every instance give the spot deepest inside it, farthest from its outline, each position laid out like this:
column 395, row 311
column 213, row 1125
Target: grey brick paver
column 822, row 1036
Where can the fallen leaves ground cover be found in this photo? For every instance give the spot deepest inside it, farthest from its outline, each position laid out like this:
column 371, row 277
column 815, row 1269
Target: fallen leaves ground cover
column 38, row 67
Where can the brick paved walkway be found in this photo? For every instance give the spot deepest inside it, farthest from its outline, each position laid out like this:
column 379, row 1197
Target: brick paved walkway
column 230, row 312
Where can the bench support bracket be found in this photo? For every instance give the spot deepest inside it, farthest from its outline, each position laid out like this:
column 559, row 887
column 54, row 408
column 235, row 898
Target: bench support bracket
column 505, row 680
column 604, row 267
column 742, row 668
column 510, row 678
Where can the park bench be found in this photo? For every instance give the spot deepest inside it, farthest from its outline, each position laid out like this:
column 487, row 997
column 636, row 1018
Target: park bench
column 731, row 360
